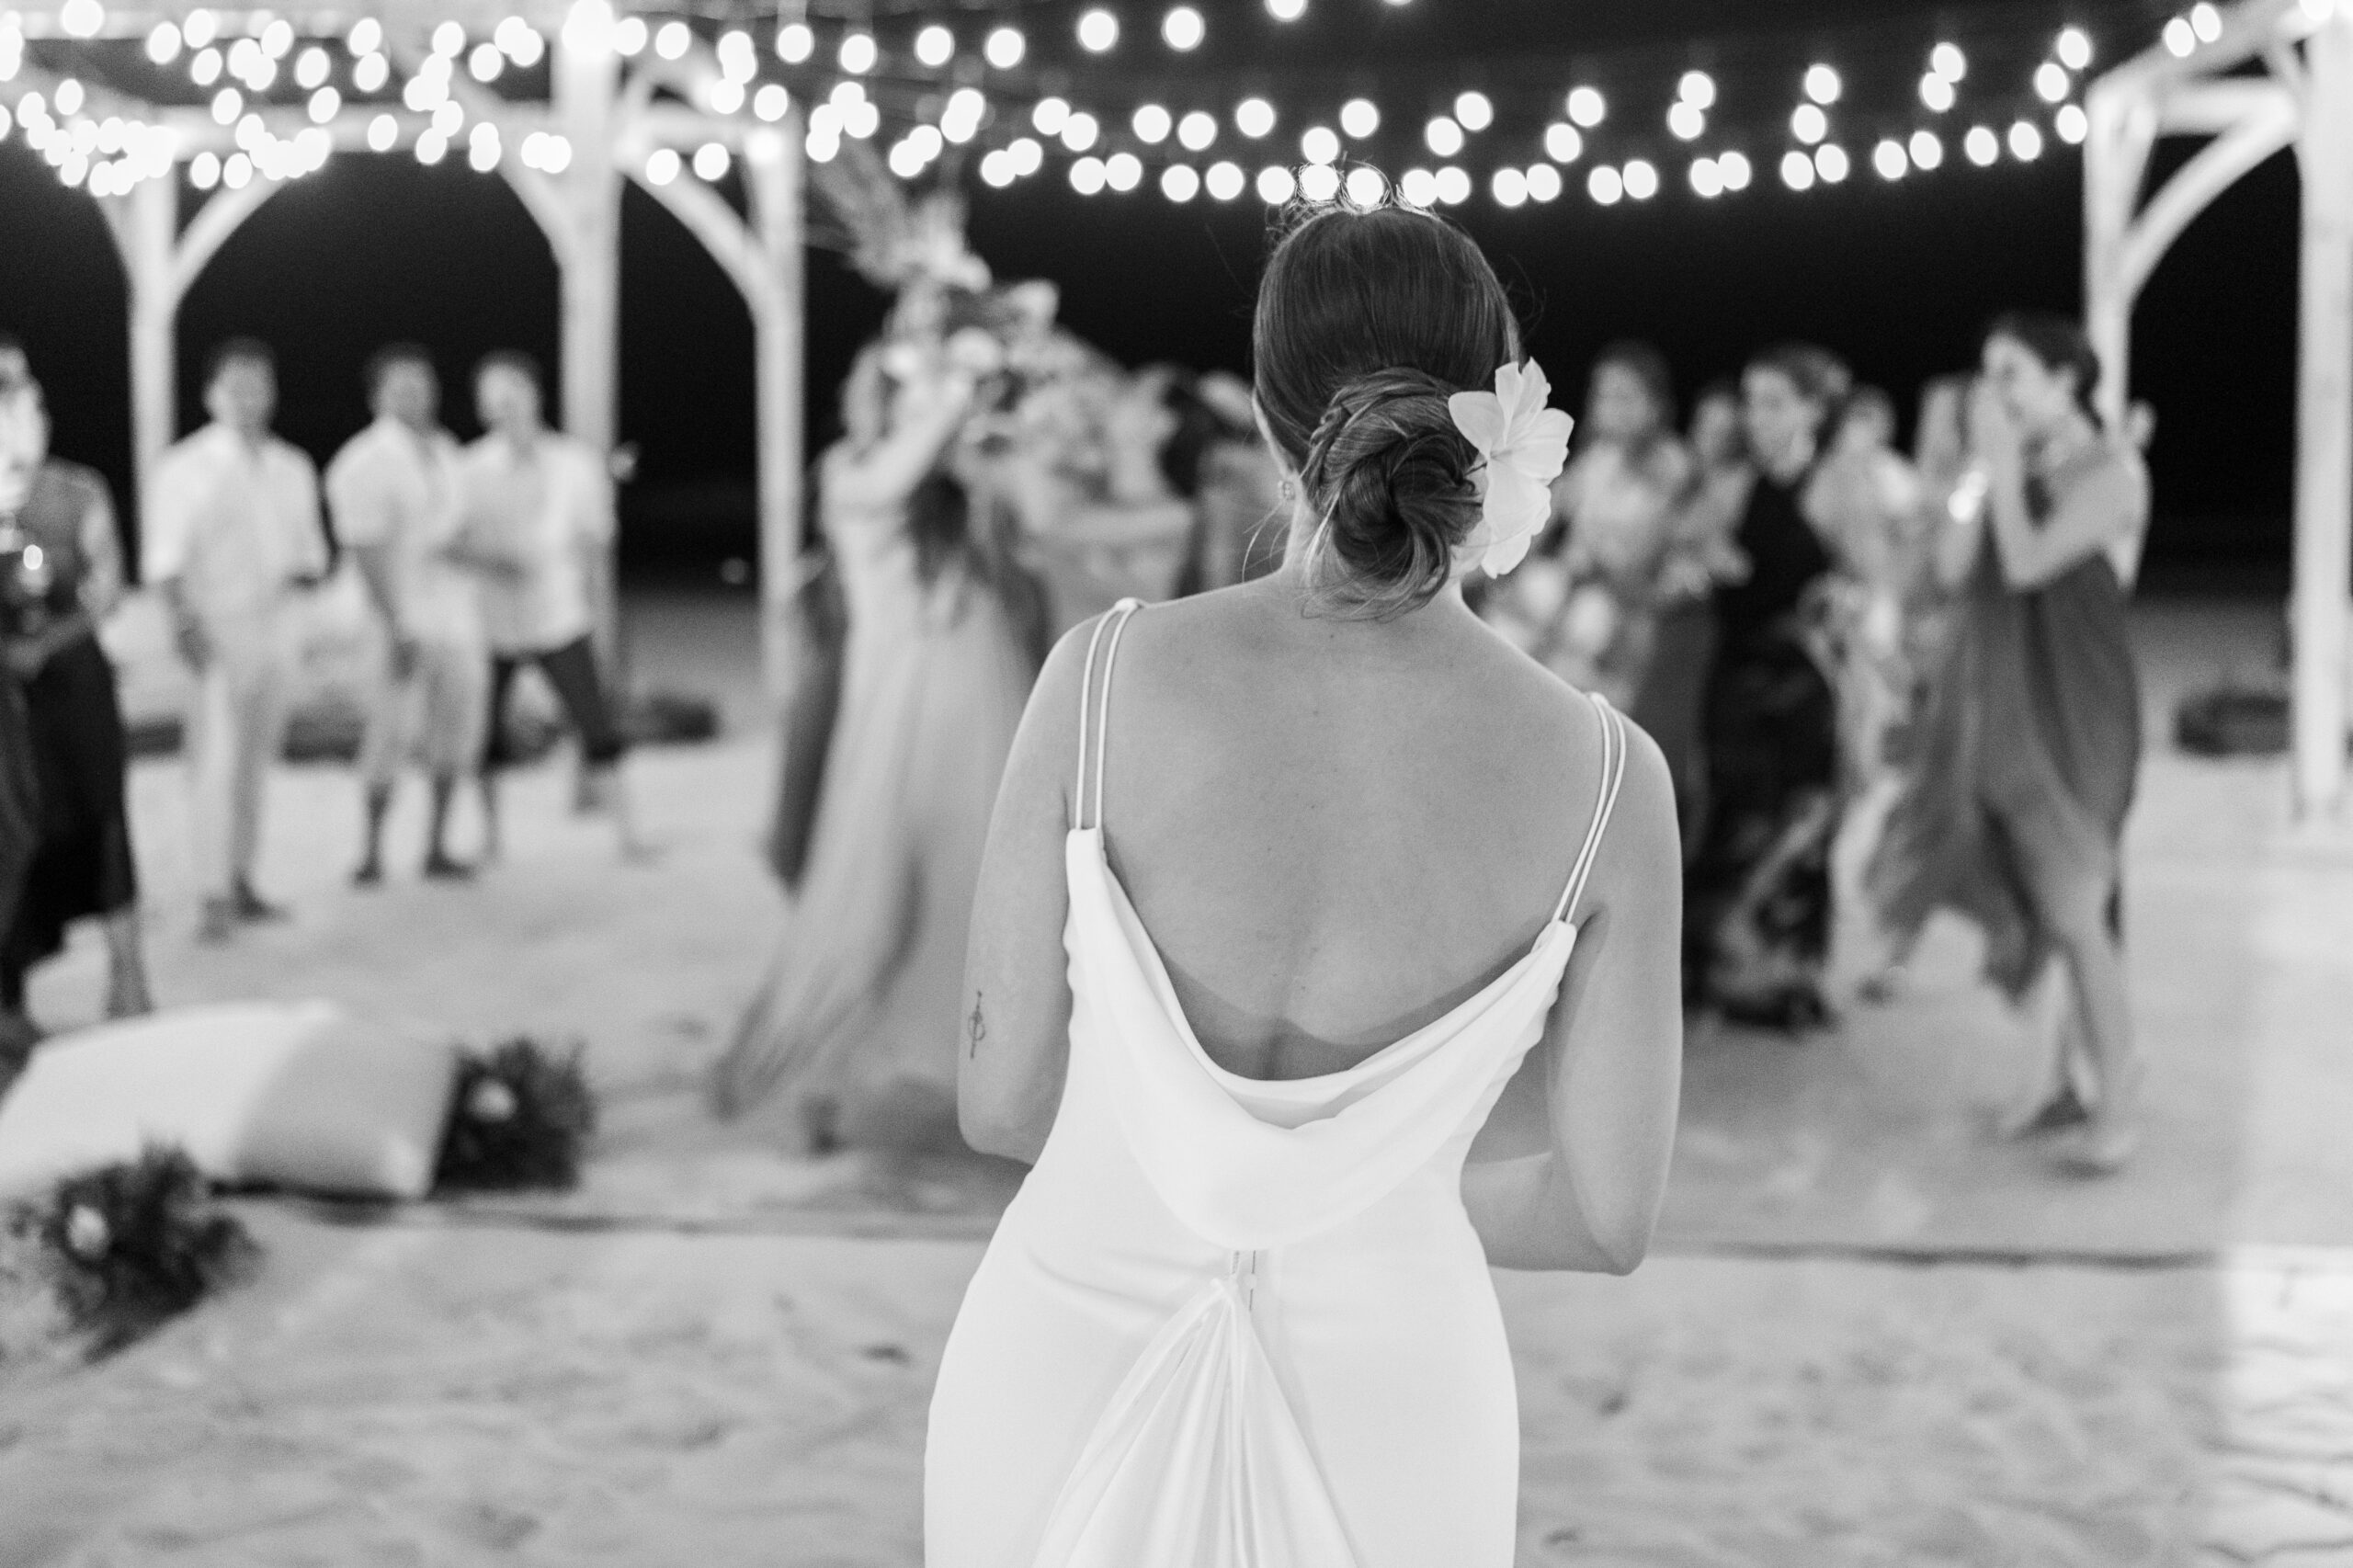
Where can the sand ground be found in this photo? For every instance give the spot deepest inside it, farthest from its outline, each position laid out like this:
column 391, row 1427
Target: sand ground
column 1865, row 1338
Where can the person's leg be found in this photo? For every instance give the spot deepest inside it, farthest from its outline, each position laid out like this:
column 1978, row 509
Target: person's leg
column 380, row 746
column 261, row 718
column 2070, row 875
column 452, row 681
column 127, row 993
column 572, row 670
column 210, row 749
column 503, row 668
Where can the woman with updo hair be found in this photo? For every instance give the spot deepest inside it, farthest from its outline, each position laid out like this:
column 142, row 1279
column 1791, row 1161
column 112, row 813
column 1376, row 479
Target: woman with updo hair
column 2030, row 737
column 1758, row 914
column 1282, row 900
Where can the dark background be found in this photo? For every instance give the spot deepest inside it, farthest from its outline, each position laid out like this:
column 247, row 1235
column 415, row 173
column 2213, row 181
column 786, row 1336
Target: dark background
column 1897, row 278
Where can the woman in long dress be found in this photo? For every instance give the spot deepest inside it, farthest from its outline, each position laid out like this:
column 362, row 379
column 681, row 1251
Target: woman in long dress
column 61, row 569
column 852, row 1038
column 2030, row 745
column 1245, row 990
column 1759, row 892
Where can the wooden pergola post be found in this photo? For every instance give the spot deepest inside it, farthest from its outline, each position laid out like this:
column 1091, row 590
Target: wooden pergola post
column 2321, row 598
column 2304, row 100
column 585, row 77
column 773, row 178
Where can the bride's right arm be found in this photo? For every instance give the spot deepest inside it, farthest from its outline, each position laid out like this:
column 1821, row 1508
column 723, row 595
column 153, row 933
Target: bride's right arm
column 1014, row 1041
column 1613, row 1058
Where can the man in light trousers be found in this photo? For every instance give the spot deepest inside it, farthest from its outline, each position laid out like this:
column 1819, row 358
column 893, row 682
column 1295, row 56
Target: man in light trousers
column 231, row 538
column 393, row 489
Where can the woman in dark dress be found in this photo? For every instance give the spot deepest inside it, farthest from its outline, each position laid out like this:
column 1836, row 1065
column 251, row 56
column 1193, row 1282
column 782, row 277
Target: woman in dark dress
column 2030, row 743
column 60, row 569
column 1757, row 899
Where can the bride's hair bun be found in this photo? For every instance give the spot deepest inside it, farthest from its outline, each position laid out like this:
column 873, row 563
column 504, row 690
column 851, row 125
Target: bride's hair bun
column 1367, row 321
column 1392, row 478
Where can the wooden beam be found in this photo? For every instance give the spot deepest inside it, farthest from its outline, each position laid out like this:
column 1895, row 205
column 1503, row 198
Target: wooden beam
column 585, row 75
column 210, row 229
column 2322, row 601
column 775, row 185
column 2217, row 166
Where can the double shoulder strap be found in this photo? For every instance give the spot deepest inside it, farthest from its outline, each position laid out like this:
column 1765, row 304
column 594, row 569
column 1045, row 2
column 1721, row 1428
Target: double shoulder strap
column 1094, row 725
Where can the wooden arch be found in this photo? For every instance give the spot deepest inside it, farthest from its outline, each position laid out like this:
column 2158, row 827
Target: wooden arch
column 2277, row 73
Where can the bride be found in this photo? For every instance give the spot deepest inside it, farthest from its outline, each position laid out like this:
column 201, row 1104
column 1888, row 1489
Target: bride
column 1285, row 883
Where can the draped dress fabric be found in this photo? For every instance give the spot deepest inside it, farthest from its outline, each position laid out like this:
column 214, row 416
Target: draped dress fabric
column 2028, row 746
column 1234, row 1323
column 854, row 1027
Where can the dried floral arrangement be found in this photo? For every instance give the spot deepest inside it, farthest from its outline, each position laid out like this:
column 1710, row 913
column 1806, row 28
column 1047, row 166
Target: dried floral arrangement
column 125, row 1247
column 519, row 1117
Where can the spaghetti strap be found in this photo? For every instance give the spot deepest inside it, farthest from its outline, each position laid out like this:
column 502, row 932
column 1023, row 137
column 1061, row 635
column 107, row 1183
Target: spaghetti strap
column 1613, row 773
column 1094, row 713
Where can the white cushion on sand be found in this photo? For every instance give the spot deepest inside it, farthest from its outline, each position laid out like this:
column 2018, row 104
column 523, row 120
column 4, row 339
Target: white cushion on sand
column 292, row 1094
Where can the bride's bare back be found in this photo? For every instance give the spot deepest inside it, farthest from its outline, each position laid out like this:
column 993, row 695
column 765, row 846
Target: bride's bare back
column 1335, row 830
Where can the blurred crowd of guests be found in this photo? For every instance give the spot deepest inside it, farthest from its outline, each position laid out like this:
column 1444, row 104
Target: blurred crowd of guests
column 1818, row 628
column 475, row 560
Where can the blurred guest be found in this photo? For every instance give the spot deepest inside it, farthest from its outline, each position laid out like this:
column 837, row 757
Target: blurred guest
column 1670, row 698
column 61, row 571
column 536, row 525
column 393, row 489
column 1240, row 501
column 2031, row 741
column 232, row 536
column 1758, row 904
column 1868, row 500
column 1130, row 529
column 852, row 1038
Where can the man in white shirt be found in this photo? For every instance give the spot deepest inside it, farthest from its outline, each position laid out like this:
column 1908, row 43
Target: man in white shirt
column 537, row 523
column 393, row 489
column 231, row 538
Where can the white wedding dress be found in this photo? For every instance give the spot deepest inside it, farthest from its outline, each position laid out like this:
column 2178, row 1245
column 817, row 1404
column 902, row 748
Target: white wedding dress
column 1230, row 1323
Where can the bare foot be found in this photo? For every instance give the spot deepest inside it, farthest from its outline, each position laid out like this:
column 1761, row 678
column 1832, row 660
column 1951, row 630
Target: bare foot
column 2100, row 1147
column 2051, row 1109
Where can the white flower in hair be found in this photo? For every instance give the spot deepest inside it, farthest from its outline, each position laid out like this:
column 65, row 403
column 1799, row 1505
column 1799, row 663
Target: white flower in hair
column 1526, row 445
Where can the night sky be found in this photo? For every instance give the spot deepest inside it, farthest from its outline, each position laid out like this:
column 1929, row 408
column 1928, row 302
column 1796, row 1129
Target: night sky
column 1897, row 278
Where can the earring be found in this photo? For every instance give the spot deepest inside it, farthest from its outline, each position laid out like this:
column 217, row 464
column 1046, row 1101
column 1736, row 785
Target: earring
column 1287, row 490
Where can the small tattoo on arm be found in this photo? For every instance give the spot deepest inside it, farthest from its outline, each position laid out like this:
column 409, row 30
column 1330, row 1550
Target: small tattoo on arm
column 976, row 1026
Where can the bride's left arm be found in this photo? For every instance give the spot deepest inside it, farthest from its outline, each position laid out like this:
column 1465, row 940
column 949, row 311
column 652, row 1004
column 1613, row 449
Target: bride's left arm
column 1013, row 1040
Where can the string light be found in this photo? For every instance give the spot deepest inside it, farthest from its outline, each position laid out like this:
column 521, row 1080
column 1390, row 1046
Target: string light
column 430, row 148
column 1454, row 186
column 1510, row 187
column 1947, row 61
column 858, row 53
column 1797, row 171
column 1286, row 10
column 204, row 170
column 69, row 97
column 2206, row 22
column 1098, row 31
column 2025, row 142
column 1888, row 160
column 1049, row 115
column 1225, row 180
column 1004, row 47
column 205, row 68
column 1685, row 120
column 1079, row 132
column 1319, row 182
column 485, row 62
column 311, row 68
column 670, row 41
column 1982, row 145
column 1152, row 124
column 482, row 147
column 1318, row 144
column 771, row 101
column 1359, row 117
column 2072, row 123
column 1027, row 157
column 1698, row 89
column 1928, row 152
column 1123, row 171
column 1474, row 110
column 629, row 37
column 201, row 27
column 1733, row 167
column 2181, row 39
column 1586, row 108
column 1444, row 136
column 960, row 121
column 2052, row 82
column 1605, row 185
column 1179, row 182
column 1831, row 163
column 1821, row 85
column 661, row 165
column 1198, row 130
column 794, row 43
column 1182, row 29
column 326, row 104
column 1937, row 93
column 383, row 133
column 238, row 172
column 1254, row 117
column 1275, row 185
column 1642, row 178
column 1418, row 187
column 448, row 40
column 1562, row 143
column 1809, row 124
column 164, row 43
column 2074, row 48
column 81, row 19
column 1706, row 180
column 935, row 46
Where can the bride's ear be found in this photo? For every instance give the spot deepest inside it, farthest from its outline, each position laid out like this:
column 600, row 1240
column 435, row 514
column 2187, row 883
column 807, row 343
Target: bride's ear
column 1274, row 447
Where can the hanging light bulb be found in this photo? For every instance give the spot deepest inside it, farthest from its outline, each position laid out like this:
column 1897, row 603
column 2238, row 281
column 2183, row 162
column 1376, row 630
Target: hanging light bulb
column 1319, row 182
column 1544, row 182
column 1123, row 171
column 1444, row 136
column 1253, row 118
column 1696, row 88
column 1707, row 180
column 1286, row 10
column 1317, row 144
column 935, row 46
column 1821, row 85
column 1831, row 163
column 1454, row 186
column 1947, row 61
column 1182, row 29
column 1586, row 107
column 1179, row 183
column 1982, row 145
column 1733, row 169
column 1418, row 186
column 794, row 43
column 163, row 43
column 1197, row 131
column 2074, row 48
column 1276, row 186
column 1474, row 110
column 1797, row 171
column 1808, row 123
column 1004, row 47
column 1152, row 124
column 1937, row 93
column 1641, row 177
column 2051, row 84
column 1605, row 185
column 1888, row 159
column 2025, row 142
column 1927, row 151
column 1225, row 180
column 858, row 53
column 1359, row 117
column 1365, row 187
column 1098, row 31
column 2072, row 123
column 1562, row 143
